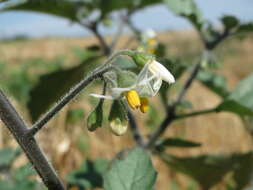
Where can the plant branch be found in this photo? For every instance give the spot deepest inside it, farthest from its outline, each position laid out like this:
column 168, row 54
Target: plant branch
column 19, row 130
column 196, row 113
column 93, row 27
column 187, row 84
column 135, row 130
column 117, row 35
column 170, row 117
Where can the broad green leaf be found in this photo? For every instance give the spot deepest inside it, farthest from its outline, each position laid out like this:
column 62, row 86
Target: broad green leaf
column 240, row 101
column 64, row 8
column 243, row 170
column 51, row 87
column 215, row 82
column 176, row 142
column 7, row 156
column 134, row 172
column 187, row 9
column 90, row 175
column 76, row 9
column 112, row 5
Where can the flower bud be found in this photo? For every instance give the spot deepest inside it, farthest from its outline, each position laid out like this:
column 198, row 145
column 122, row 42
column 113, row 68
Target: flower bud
column 141, row 58
column 118, row 118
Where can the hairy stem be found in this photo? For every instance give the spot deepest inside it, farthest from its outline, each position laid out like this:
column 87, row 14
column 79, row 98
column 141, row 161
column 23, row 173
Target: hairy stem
column 19, row 130
column 135, row 130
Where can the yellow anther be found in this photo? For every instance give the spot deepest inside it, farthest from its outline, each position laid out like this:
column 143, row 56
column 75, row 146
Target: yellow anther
column 133, row 99
column 144, row 105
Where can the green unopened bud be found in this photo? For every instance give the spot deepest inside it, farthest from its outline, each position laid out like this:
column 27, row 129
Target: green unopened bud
column 118, row 118
column 95, row 118
column 141, row 58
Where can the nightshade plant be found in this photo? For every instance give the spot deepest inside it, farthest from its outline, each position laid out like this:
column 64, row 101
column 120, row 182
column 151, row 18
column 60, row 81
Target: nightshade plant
column 130, row 77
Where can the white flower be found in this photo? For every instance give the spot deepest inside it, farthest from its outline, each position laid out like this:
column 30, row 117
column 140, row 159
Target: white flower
column 148, row 83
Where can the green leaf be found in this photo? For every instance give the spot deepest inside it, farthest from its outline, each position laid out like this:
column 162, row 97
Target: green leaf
column 112, row 5
column 90, row 175
column 187, row 9
column 7, row 156
column 176, row 142
column 215, row 82
column 230, row 22
column 64, row 8
column 199, row 167
column 134, row 172
column 51, row 87
column 215, row 167
column 244, row 170
column 240, row 101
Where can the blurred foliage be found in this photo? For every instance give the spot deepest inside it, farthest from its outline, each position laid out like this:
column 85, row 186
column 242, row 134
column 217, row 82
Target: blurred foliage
column 16, row 178
column 240, row 100
column 75, row 115
column 89, row 175
column 215, row 167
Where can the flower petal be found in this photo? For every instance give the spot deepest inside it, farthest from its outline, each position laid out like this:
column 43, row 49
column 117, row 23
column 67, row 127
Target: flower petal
column 102, row 96
column 158, row 69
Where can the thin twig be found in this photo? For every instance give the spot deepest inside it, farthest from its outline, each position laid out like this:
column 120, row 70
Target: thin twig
column 19, row 130
column 93, row 27
column 135, row 130
column 117, row 35
column 196, row 113
column 187, row 84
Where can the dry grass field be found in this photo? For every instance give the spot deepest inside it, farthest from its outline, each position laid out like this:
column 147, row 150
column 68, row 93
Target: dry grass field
column 67, row 145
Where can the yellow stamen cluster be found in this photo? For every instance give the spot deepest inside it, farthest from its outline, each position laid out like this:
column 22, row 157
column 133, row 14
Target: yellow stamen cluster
column 136, row 102
column 144, row 105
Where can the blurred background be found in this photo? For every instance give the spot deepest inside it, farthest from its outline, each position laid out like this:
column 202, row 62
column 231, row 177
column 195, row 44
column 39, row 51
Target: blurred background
column 40, row 51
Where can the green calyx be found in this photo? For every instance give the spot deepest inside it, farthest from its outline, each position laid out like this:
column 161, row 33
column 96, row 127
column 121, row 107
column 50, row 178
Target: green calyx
column 141, row 58
column 118, row 118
